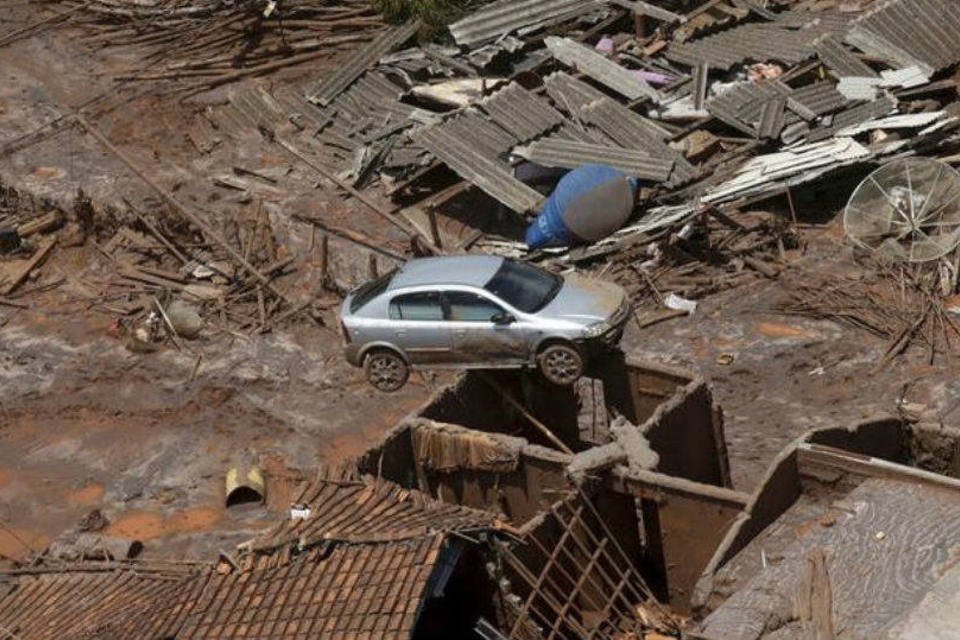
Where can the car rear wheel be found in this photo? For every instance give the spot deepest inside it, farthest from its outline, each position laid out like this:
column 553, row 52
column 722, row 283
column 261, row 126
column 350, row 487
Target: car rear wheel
column 386, row 370
column 561, row 364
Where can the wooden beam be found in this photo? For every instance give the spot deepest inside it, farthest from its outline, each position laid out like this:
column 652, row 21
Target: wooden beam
column 526, row 414
column 850, row 462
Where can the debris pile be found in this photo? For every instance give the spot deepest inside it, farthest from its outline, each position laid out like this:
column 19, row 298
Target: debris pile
column 904, row 306
column 200, row 45
column 714, row 111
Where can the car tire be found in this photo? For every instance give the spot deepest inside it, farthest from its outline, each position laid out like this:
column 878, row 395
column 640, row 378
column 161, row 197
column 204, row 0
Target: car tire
column 561, row 364
column 386, row 370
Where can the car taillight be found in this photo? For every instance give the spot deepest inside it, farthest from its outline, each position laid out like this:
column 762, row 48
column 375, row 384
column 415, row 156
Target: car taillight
column 345, row 333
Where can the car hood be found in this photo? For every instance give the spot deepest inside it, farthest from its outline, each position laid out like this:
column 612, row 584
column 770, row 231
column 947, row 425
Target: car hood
column 585, row 300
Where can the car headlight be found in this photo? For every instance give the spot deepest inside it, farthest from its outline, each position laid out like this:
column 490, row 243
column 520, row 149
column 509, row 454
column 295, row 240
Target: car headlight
column 596, row 329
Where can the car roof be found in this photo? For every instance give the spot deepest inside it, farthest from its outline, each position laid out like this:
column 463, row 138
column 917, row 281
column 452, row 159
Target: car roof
column 473, row 271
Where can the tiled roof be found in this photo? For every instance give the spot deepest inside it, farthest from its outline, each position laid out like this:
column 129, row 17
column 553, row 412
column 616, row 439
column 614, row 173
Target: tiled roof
column 106, row 603
column 368, row 591
column 359, row 512
column 359, row 567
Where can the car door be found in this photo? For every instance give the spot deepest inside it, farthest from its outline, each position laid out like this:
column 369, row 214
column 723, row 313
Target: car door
column 482, row 331
column 418, row 326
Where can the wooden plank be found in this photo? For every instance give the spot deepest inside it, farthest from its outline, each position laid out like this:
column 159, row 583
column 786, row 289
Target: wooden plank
column 814, row 455
column 19, row 271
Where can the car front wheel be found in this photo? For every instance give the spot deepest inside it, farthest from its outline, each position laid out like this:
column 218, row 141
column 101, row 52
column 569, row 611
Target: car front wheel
column 561, row 364
column 386, row 370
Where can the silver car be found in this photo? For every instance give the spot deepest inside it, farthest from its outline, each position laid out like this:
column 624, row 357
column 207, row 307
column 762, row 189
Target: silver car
column 479, row 312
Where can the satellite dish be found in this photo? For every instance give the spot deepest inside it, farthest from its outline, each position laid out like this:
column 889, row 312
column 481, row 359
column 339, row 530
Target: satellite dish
column 908, row 210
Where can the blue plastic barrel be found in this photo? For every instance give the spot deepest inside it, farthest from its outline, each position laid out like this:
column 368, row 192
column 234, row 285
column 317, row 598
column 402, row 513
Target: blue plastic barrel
column 589, row 203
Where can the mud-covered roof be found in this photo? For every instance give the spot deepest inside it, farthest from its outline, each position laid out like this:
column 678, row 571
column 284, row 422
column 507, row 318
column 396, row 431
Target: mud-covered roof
column 360, row 565
column 368, row 511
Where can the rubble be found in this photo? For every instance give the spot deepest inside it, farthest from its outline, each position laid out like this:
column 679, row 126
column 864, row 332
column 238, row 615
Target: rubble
column 501, row 507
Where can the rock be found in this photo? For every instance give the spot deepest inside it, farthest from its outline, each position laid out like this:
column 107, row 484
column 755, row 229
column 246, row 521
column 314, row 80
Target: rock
column 185, row 319
column 93, row 521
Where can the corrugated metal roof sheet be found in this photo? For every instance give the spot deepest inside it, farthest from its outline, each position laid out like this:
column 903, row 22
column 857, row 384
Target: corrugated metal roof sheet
column 820, row 98
column 520, row 112
column 646, row 9
column 908, row 77
column 841, row 60
column 700, row 76
column 489, row 175
column 751, row 42
column 570, row 94
column 606, row 72
column 370, row 107
column 507, row 16
column 854, row 115
column 740, row 105
column 859, row 87
column 351, row 69
column 628, row 129
column 769, row 172
column 569, row 154
column 481, row 133
column 771, row 117
column 900, row 121
column 925, row 33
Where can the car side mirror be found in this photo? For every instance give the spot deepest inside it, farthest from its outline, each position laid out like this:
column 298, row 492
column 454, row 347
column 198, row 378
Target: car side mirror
column 503, row 318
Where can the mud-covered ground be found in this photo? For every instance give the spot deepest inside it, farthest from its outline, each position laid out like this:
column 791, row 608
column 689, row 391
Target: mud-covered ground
column 86, row 424
column 777, row 376
column 147, row 439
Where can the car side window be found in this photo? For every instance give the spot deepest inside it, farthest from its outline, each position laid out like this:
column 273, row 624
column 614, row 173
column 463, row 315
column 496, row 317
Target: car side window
column 463, row 306
column 416, row 306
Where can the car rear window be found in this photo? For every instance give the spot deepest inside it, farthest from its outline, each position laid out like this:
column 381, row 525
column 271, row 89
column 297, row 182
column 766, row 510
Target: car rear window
column 370, row 290
column 526, row 287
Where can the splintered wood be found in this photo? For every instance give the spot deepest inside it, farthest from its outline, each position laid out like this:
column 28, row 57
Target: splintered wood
column 895, row 303
column 716, row 252
column 206, row 44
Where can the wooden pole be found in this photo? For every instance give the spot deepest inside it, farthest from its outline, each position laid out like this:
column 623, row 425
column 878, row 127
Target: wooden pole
column 526, row 414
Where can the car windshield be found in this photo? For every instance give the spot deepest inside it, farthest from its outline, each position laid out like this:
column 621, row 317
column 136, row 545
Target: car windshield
column 370, row 290
column 524, row 286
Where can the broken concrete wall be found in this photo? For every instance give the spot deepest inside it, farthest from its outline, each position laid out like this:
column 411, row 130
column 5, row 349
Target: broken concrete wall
column 779, row 489
column 392, row 459
column 675, row 410
column 926, row 445
column 687, row 434
column 683, row 523
column 636, row 389
column 884, row 437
